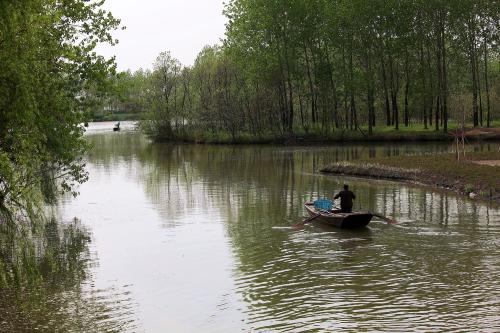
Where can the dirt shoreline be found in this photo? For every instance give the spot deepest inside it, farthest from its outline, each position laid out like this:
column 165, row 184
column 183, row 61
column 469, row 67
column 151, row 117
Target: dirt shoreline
column 365, row 169
column 482, row 134
column 488, row 162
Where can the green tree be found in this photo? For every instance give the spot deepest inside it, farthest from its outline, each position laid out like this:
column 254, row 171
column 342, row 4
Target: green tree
column 47, row 65
column 290, row 68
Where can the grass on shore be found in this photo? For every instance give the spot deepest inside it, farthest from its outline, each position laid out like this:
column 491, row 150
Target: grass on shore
column 382, row 134
column 117, row 117
column 419, row 128
column 413, row 133
column 441, row 170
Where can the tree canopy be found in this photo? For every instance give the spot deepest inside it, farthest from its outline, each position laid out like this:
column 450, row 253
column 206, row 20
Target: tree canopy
column 47, row 67
column 301, row 66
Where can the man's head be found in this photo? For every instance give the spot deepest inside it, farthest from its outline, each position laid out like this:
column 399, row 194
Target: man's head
column 346, row 187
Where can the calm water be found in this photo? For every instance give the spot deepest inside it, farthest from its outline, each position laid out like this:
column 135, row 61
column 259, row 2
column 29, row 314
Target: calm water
column 185, row 238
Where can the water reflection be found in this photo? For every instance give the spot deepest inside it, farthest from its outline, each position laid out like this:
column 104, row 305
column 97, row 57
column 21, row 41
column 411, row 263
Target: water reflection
column 196, row 239
column 46, row 283
column 433, row 271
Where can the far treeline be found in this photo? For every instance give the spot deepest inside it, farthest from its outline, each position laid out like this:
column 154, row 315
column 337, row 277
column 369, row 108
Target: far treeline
column 318, row 67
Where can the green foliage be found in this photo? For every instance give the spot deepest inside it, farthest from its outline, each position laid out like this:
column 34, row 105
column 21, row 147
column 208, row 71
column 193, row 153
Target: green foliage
column 61, row 254
column 124, row 99
column 287, row 67
column 47, row 69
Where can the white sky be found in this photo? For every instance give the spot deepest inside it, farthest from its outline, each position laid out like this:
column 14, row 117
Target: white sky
column 182, row 27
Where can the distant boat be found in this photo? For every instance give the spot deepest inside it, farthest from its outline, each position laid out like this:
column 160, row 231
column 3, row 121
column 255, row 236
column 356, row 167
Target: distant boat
column 117, row 127
column 338, row 219
column 86, row 124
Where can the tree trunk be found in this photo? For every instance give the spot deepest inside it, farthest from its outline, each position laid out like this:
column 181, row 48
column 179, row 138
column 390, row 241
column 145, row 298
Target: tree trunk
column 386, row 93
column 478, row 76
column 438, row 107
column 445, row 77
column 354, row 121
column 334, row 90
column 290, row 107
column 301, row 109
column 369, row 91
column 394, row 93
column 311, row 87
column 487, row 87
column 439, row 89
column 431, row 85
column 407, row 88
column 424, row 86
column 346, row 108
column 472, row 55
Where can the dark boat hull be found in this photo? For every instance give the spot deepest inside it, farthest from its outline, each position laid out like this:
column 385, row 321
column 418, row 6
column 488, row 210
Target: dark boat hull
column 340, row 220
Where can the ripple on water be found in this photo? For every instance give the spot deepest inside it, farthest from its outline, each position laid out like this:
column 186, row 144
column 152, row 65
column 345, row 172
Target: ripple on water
column 432, row 279
column 435, row 271
column 84, row 310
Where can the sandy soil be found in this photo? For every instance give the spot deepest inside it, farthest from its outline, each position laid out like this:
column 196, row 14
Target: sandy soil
column 490, row 162
column 478, row 132
column 483, row 131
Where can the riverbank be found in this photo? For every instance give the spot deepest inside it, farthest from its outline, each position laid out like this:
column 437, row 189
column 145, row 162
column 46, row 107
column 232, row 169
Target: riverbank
column 118, row 117
column 381, row 134
column 477, row 176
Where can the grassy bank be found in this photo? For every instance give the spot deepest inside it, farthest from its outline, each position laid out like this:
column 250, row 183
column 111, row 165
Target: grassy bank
column 439, row 170
column 380, row 134
column 118, row 117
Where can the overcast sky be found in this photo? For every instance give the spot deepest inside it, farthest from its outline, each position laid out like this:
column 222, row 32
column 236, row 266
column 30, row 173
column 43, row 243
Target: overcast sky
column 182, row 27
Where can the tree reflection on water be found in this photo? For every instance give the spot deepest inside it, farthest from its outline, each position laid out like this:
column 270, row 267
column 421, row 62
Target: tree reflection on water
column 46, row 284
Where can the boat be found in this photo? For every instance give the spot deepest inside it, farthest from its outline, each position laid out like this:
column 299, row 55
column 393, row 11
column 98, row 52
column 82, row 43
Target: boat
column 117, row 127
column 338, row 219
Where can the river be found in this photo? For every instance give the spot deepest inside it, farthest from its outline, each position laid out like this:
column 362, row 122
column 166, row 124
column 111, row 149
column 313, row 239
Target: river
column 197, row 238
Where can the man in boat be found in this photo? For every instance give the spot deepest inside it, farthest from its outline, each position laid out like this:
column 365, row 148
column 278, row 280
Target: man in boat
column 346, row 198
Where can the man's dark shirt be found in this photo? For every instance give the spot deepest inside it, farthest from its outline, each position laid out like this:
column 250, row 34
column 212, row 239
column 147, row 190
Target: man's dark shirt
column 346, row 198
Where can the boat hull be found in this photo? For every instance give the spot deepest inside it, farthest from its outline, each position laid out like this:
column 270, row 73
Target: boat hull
column 352, row 220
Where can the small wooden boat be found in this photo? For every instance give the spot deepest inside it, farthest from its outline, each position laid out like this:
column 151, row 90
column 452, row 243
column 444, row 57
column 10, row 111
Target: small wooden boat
column 338, row 219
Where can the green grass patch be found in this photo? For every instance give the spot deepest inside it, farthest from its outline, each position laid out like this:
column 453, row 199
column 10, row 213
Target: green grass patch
column 441, row 170
column 415, row 133
column 118, row 117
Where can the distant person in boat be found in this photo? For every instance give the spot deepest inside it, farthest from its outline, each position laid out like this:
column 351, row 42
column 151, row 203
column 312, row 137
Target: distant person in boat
column 346, row 198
